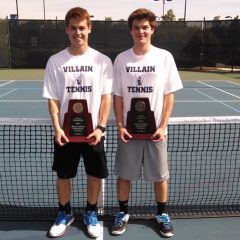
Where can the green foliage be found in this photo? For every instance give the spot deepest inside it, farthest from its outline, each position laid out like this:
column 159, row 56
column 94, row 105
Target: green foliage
column 170, row 16
column 192, row 43
column 108, row 18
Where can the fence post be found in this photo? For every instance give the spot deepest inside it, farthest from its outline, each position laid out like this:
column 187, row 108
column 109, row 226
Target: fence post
column 202, row 43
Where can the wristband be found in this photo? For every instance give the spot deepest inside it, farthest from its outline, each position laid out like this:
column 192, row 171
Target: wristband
column 103, row 129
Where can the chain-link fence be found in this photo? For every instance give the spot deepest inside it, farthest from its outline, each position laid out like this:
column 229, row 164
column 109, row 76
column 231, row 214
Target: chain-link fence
column 4, row 44
column 194, row 44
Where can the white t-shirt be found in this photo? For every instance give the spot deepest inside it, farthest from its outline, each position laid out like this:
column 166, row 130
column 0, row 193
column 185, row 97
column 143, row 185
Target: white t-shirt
column 151, row 75
column 87, row 76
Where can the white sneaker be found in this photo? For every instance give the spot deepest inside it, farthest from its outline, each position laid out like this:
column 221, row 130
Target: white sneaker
column 93, row 226
column 59, row 227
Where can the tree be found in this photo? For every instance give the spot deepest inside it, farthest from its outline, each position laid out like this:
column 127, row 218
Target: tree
column 216, row 18
column 108, row 18
column 170, row 16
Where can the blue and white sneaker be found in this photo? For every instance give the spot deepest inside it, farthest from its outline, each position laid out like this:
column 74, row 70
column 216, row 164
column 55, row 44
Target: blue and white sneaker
column 165, row 226
column 93, row 226
column 62, row 222
column 120, row 223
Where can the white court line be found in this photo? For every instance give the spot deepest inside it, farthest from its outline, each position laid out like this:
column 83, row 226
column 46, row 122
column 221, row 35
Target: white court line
column 234, row 82
column 233, row 95
column 39, row 80
column 25, row 88
column 23, row 101
column 202, row 101
column 8, row 92
column 101, row 204
column 7, row 83
column 221, row 102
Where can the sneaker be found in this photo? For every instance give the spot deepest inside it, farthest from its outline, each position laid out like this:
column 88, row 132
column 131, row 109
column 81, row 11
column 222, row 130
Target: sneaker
column 165, row 226
column 59, row 227
column 93, row 227
column 120, row 223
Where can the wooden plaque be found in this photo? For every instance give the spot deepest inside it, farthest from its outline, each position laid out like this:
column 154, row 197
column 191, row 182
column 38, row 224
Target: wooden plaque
column 140, row 119
column 78, row 121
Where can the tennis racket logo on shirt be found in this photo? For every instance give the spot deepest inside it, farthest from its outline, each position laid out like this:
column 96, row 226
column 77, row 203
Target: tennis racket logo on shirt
column 78, row 78
column 140, row 79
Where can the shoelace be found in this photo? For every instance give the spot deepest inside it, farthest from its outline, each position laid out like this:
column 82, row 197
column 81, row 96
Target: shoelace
column 118, row 220
column 92, row 217
column 165, row 220
column 61, row 219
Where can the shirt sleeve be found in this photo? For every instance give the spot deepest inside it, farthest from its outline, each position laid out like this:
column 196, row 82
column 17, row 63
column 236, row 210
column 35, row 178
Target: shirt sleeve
column 108, row 77
column 49, row 84
column 117, row 86
column 173, row 82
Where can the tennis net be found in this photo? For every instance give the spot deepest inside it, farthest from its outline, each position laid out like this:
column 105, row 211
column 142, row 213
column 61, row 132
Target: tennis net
column 204, row 163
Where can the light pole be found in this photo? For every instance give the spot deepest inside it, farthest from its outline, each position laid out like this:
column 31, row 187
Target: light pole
column 163, row 12
column 185, row 10
column 232, row 41
column 17, row 8
column 44, row 9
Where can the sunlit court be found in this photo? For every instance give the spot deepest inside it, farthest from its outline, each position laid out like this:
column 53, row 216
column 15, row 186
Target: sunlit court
column 203, row 158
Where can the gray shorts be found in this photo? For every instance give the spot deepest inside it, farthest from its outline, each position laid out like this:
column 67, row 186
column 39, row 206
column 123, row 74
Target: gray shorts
column 131, row 157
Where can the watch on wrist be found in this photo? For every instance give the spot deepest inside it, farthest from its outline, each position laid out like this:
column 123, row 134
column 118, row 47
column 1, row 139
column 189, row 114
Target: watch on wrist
column 103, row 129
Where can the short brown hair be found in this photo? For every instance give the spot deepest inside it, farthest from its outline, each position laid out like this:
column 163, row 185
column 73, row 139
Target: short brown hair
column 77, row 13
column 142, row 13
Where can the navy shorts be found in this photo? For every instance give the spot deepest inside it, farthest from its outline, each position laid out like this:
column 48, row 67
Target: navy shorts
column 67, row 157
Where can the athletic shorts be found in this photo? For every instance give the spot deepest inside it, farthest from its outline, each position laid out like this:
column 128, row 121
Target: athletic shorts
column 146, row 155
column 67, row 157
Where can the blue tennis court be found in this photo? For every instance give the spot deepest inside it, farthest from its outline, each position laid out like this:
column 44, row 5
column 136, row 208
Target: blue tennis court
column 198, row 98
column 22, row 99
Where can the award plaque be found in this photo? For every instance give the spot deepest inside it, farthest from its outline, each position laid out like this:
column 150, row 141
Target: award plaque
column 77, row 123
column 140, row 119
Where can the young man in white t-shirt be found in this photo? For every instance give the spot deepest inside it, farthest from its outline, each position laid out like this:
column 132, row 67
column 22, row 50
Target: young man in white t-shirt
column 78, row 72
column 144, row 71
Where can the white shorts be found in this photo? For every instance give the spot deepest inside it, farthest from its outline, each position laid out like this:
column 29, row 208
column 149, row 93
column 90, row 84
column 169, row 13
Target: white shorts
column 132, row 156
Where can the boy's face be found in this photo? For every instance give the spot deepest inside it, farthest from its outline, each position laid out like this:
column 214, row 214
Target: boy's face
column 141, row 32
column 78, row 32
